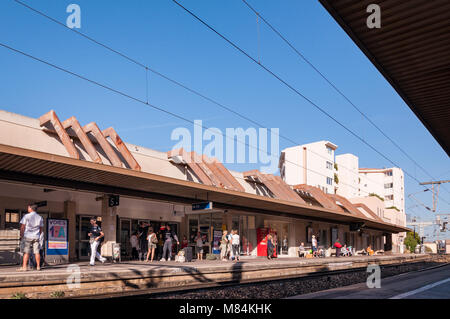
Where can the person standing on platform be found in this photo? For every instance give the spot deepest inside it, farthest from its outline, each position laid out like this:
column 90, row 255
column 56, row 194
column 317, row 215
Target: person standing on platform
column 134, row 241
column 270, row 246
column 160, row 245
column 143, row 243
column 199, row 246
column 338, row 247
column 314, row 245
column 31, row 227
column 184, row 242
column 223, row 245
column 96, row 238
column 235, row 242
column 285, row 245
column 275, row 244
column 229, row 246
column 152, row 241
column 168, row 236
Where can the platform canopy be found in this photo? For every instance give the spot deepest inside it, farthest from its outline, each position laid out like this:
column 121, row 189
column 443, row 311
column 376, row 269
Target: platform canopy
column 44, row 169
column 412, row 51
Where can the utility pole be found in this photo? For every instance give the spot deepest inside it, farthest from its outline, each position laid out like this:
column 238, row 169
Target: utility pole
column 435, row 192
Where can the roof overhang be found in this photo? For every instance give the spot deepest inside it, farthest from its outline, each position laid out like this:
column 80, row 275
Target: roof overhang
column 412, row 51
column 33, row 167
column 331, row 145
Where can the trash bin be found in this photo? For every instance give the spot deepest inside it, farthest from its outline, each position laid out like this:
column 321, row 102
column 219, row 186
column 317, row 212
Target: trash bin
column 417, row 249
column 116, row 255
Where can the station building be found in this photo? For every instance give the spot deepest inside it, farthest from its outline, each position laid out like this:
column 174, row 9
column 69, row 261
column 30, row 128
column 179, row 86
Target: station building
column 76, row 169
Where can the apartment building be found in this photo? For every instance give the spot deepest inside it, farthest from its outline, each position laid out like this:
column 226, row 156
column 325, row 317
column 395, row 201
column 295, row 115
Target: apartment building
column 347, row 170
column 311, row 164
column 388, row 183
column 382, row 190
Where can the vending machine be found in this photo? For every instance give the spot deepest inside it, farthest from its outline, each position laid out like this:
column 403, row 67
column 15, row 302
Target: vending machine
column 261, row 234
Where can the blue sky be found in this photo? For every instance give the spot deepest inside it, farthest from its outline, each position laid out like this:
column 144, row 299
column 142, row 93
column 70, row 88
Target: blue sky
column 158, row 33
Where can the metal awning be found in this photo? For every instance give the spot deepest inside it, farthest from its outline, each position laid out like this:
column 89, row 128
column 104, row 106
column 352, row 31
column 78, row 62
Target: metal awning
column 33, row 167
column 412, row 51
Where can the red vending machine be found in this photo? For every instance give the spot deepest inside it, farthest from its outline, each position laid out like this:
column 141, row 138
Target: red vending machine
column 261, row 234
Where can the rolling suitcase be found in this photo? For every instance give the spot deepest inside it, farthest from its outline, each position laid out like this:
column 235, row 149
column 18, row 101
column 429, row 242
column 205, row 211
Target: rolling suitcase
column 188, row 254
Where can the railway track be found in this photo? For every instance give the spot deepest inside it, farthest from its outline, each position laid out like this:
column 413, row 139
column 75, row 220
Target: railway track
column 274, row 287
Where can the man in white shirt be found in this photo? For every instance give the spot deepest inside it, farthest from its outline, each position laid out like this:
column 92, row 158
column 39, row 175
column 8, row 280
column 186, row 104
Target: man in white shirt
column 30, row 232
column 134, row 246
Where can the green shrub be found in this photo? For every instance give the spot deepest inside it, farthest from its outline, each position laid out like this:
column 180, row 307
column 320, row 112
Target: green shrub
column 57, row 294
column 393, row 207
column 376, row 195
column 336, row 178
column 19, row 295
column 411, row 241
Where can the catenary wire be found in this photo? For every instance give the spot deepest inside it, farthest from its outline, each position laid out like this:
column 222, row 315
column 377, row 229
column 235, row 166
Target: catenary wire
column 141, row 101
column 278, row 33
column 147, row 68
column 272, row 73
column 171, row 80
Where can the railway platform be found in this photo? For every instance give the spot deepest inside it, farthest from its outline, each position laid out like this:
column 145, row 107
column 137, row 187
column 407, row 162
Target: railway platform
column 79, row 280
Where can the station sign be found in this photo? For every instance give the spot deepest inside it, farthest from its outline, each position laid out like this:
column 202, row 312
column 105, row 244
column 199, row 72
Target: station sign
column 113, row 200
column 202, row 206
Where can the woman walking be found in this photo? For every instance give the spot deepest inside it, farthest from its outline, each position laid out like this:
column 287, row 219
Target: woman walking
column 152, row 241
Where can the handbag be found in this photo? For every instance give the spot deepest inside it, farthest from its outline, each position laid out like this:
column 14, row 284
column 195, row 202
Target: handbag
column 154, row 239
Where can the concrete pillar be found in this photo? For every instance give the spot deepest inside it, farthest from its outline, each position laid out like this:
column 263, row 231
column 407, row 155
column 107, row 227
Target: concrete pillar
column 70, row 212
column 184, row 228
column 292, row 246
column 229, row 221
column 109, row 221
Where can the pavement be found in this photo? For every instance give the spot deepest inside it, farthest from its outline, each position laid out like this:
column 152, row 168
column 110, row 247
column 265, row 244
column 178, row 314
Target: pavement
column 433, row 283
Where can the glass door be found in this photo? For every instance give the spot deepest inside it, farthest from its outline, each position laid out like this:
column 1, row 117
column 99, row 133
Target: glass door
column 125, row 235
column 82, row 246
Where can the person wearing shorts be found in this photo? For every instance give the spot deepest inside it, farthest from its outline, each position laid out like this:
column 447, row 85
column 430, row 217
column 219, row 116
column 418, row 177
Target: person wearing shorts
column 31, row 227
column 223, row 245
column 199, row 246
column 152, row 241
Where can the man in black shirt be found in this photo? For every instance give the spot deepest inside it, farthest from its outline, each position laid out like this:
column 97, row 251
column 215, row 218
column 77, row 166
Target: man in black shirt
column 96, row 237
column 143, row 243
column 168, row 236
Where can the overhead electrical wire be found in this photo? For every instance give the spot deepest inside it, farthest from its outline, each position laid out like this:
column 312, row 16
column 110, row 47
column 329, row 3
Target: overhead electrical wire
column 284, row 82
column 173, row 81
column 147, row 68
column 158, row 108
column 278, row 33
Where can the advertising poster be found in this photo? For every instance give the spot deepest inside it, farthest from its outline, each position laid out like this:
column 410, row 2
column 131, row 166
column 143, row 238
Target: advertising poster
column 216, row 241
column 57, row 237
